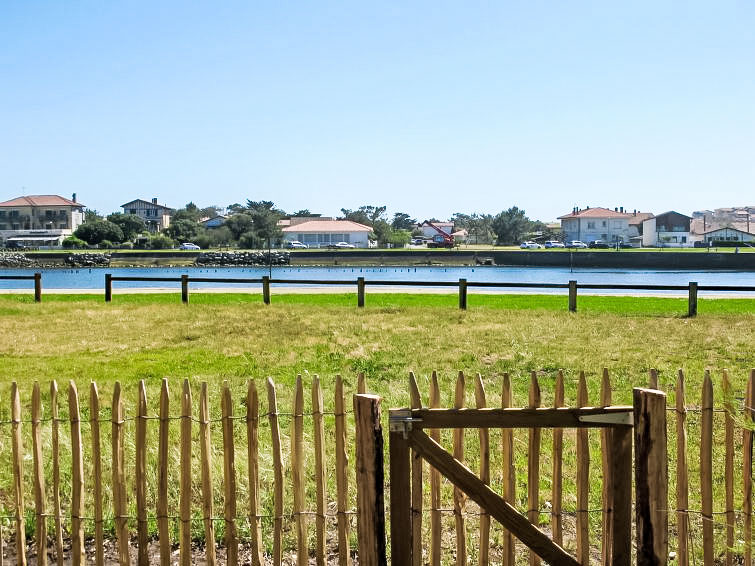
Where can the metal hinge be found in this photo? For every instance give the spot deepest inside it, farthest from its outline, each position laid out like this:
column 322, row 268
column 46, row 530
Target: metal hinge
column 400, row 420
column 623, row 418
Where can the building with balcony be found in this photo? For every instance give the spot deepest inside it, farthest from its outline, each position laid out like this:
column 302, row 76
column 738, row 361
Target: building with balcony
column 39, row 221
column 156, row 216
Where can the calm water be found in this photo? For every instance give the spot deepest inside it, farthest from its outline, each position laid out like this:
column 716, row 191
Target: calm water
column 94, row 278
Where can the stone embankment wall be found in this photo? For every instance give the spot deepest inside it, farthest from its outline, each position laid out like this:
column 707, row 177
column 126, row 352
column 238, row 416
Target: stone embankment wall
column 87, row 260
column 228, row 259
column 12, row 260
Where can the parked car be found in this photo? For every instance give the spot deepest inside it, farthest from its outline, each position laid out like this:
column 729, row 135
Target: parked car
column 294, row 244
column 418, row 242
column 530, row 245
column 553, row 244
column 188, row 246
column 341, row 245
column 576, row 244
column 600, row 244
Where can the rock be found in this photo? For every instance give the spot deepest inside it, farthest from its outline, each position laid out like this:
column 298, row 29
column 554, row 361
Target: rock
column 257, row 258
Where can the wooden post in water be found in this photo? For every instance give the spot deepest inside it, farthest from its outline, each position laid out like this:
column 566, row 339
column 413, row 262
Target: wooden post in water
column 108, row 287
column 185, row 288
column 651, row 477
column 692, row 308
column 463, row 294
column 369, row 480
column 572, row 296
column 266, row 289
column 360, row 292
column 37, row 287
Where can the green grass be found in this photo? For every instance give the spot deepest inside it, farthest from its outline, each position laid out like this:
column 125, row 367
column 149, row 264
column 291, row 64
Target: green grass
column 235, row 337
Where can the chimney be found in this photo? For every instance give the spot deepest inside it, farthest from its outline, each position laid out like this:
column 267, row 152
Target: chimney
column 635, row 212
column 154, row 200
column 73, row 198
column 616, row 209
column 621, row 209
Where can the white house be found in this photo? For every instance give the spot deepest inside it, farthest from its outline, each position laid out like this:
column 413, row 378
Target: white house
column 727, row 234
column 598, row 223
column 214, row 222
column 40, row 221
column 322, row 232
column 670, row 229
column 156, row 216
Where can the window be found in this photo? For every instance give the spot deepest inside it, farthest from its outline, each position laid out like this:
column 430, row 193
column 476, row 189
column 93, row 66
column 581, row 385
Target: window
column 132, row 211
column 684, row 239
column 3, row 227
column 16, row 226
column 591, row 225
column 2, row 213
column 604, row 223
column 49, row 213
column 63, row 225
column 14, row 213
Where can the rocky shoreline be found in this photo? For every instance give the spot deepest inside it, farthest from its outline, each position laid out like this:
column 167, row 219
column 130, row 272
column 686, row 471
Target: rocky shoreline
column 17, row 260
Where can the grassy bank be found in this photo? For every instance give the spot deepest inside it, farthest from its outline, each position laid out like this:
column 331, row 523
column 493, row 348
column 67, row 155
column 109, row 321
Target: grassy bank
column 235, row 337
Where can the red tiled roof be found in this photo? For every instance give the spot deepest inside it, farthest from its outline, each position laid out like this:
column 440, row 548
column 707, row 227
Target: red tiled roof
column 596, row 212
column 40, row 200
column 321, row 226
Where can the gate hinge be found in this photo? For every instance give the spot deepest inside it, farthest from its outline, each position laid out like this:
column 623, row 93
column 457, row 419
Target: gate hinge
column 400, row 420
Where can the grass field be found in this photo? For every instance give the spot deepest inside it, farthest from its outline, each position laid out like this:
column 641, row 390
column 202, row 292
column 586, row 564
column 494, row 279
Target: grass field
column 235, row 337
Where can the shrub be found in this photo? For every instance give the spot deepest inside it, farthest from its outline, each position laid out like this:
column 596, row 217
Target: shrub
column 160, row 242
column 74, row 243
column 126, row 246
column 105, row 244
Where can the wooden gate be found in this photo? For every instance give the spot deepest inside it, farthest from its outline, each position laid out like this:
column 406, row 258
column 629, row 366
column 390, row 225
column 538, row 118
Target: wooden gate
column 646, row 419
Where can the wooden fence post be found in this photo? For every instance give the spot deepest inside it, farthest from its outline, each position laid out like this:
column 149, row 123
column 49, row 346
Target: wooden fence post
column 56, row 473
column 40, row 503
column 572, row 296
column 401, row 496
column 120, row 505
column 651, row 476
column 163, row 527
column 184, row 288
column 360, row 292
column 621, row 496
column 205, row 455
column 141, row 477
column 94, row 423
column 369, row 480
column 18, row 475
column 108, row 287
column 77, row 478
column 692, row 308
column 37, row 287
column 463, row 294
column 266, row 289
column 229, row 478
column 184, row 533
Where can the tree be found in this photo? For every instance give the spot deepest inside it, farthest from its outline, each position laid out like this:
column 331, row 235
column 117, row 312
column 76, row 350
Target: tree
column 510, row 225
column 183, row 230
column 305, row 213
column 402, row 221
column 160, row 242
column 478, row 226
column 95, row 232
column 130, row 224
column 189, row 212
column 265, row 219
column 238, row 224
column 90, row 215
column 399, row 238
column 366, row 215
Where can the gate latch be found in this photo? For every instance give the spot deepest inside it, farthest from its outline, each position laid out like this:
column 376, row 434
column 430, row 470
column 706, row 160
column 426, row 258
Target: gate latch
column 400, row 420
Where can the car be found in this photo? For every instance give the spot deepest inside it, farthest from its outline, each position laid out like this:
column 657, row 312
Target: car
column 188, row 246
column 418, row 242
column 293, row 245
column 530, row 245
column 576, row 244
column 341, row 245
column 553, row 244
column 599, row 244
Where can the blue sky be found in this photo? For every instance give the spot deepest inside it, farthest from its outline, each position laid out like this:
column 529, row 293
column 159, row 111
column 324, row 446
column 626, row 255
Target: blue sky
column 429, row 108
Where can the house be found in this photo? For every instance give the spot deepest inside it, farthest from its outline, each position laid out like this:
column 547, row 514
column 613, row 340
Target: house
column 428, row 231
column 214, row 222
column 320, row 232
column 156, row 216
column 670, row 229
column 41, row 221
column 727, row 234
column 590, row 224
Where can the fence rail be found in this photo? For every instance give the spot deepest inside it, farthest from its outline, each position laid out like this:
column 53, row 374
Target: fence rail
column 463, row 285
column 37, row 278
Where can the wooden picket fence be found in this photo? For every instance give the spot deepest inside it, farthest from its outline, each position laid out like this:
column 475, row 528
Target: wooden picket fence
column 68, row 518
column 576, row 517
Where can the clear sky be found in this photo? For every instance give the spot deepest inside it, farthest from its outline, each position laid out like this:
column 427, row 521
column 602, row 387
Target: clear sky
column 428, row 107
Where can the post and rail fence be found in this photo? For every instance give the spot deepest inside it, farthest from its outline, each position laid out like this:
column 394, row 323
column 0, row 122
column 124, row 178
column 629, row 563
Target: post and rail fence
column 135, row 471
column 692, row 289
column 36, row 277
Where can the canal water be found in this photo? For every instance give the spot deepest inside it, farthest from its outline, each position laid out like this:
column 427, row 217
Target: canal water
column 94, row 278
